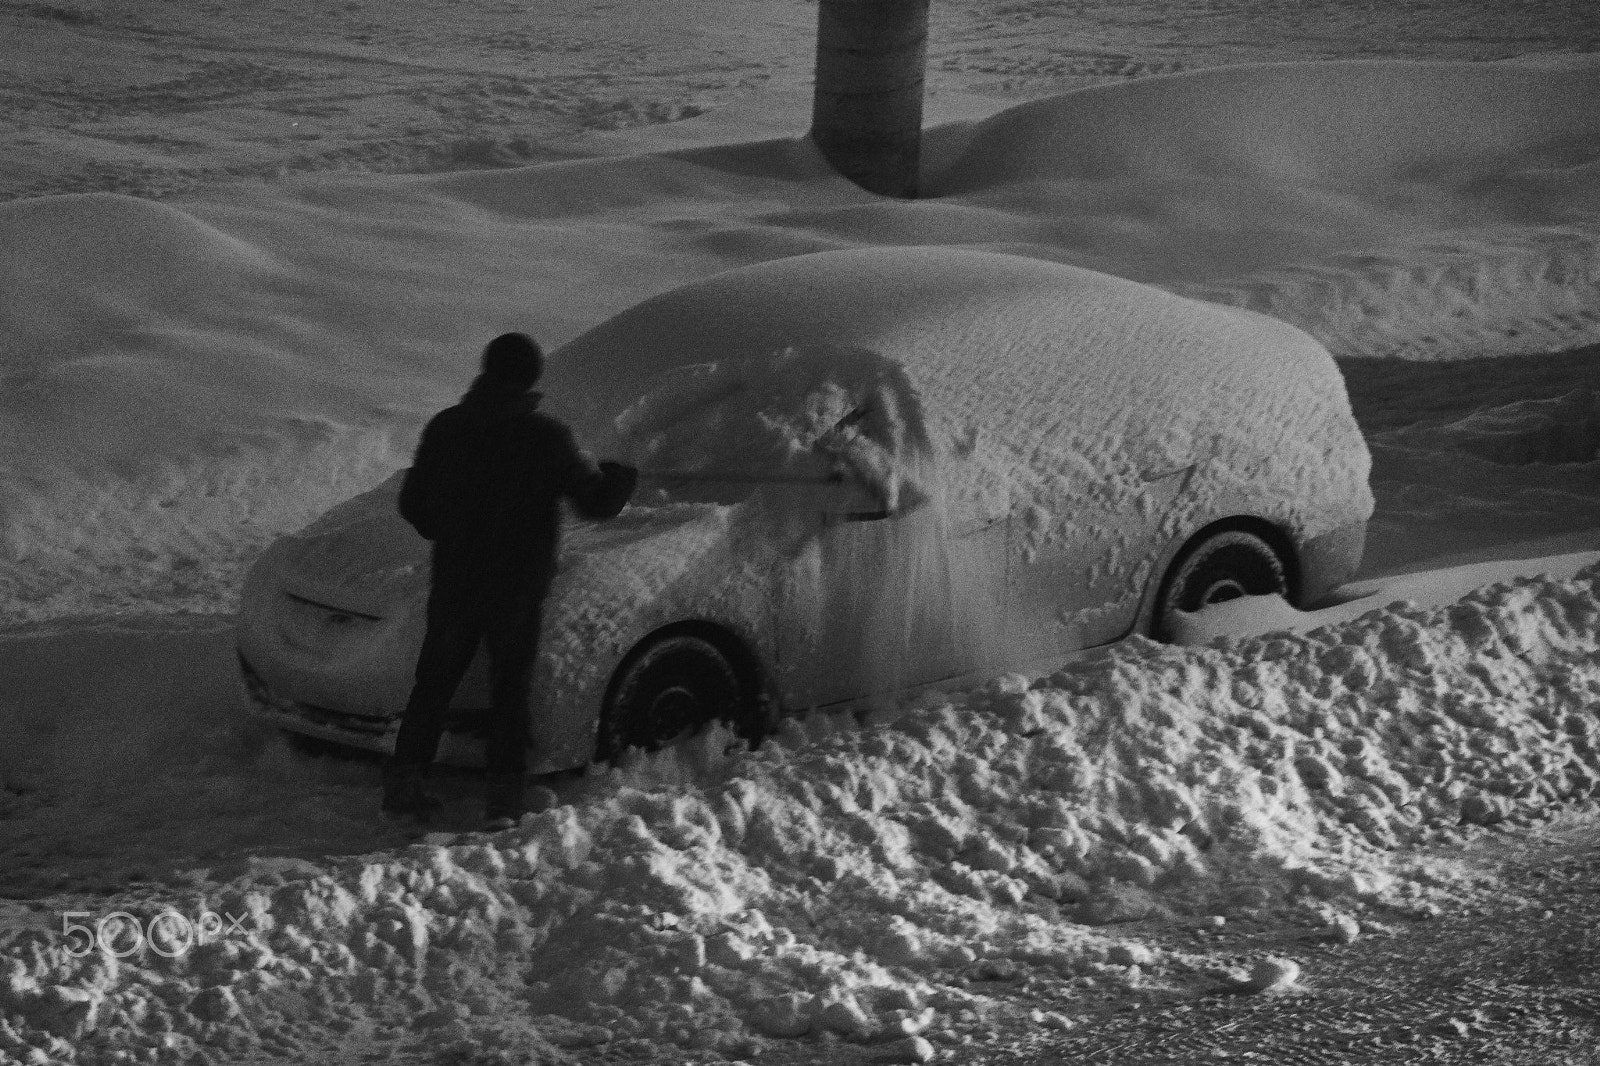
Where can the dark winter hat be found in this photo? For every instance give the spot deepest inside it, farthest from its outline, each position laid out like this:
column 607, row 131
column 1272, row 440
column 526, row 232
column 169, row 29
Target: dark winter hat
column 512, row 361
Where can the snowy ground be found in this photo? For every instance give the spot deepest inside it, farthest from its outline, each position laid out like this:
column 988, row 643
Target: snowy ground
column 302, row 220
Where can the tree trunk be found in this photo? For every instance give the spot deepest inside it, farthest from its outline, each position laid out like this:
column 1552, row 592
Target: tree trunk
column 867, row 109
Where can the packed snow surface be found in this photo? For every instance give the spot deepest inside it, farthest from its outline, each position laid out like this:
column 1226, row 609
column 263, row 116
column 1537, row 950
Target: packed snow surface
column 185, row 380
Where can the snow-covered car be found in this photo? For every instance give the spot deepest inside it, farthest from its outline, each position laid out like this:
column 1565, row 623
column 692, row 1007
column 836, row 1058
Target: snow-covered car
column 865, row 471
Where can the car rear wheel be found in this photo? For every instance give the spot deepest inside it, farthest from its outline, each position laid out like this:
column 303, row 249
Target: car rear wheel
column 670, row 686
column 1219, row 567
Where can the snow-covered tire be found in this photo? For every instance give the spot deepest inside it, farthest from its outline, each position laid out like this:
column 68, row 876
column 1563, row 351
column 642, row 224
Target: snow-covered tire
column 1218, row 567
column 672, row 685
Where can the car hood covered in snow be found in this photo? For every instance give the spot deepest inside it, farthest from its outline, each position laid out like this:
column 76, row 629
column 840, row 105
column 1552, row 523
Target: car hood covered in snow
column 616, row 581
column 364, row 557
column 360, row 556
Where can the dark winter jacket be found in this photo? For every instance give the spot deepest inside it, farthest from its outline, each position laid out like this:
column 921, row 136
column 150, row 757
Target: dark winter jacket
column 486, row 486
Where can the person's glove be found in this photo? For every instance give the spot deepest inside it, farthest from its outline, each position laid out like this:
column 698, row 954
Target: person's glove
column 621, row 473
column 621, row 480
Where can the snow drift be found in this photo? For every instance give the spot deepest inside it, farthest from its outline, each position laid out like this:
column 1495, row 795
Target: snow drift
column 1061, row 392
column 1430, row 210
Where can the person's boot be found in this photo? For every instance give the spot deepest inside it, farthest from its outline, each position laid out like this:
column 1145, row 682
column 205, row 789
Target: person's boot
column 503, row 801
column 404, row 795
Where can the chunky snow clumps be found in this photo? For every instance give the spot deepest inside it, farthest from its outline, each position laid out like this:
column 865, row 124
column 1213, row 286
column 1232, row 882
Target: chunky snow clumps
column 842, row 876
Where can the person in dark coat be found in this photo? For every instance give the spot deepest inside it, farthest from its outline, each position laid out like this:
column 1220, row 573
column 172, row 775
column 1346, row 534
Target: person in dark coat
column 486, row 487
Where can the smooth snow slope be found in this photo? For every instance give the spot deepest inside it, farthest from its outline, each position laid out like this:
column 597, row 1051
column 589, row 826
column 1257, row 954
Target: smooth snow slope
column 1423, row 210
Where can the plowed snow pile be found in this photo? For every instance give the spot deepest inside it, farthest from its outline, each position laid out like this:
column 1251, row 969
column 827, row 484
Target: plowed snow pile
column 840, row 876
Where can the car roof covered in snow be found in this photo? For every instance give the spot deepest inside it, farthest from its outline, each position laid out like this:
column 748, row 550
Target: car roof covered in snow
column 1056, row 374
column 998, row 337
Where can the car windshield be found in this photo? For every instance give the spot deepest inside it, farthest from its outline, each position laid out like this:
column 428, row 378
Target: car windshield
column 716, row 432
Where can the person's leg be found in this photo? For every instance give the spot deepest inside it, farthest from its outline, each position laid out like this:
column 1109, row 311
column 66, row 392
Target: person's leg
column 513, row 641
column 448, row 646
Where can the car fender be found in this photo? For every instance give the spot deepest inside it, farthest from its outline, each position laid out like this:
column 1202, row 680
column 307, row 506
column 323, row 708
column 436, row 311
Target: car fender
column 709, row 568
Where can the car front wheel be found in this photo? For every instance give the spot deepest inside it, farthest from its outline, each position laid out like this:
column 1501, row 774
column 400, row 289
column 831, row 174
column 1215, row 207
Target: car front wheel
column 670, row 686
column 1222, row 566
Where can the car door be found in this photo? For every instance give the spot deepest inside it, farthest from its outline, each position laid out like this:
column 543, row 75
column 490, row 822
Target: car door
column 875, row 603
column 1082, row 585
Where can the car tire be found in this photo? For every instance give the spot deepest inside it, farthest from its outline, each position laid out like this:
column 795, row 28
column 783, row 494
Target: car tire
column 1218, row 567
column 673, row 685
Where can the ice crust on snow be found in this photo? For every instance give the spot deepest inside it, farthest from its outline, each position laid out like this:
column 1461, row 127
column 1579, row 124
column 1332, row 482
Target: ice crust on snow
column 713, row 899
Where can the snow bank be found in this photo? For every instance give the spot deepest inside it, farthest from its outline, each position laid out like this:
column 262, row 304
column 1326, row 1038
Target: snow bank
column 1338, row 123
column 1429, row 210
column 174, row 539
column 840, row 878
column 123, row 313
column 159, row 426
